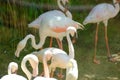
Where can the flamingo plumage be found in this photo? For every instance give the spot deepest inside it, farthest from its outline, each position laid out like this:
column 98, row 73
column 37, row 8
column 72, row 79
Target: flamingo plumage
column 53, row 24
column 55, row 52
column 102, row 13
column 12, row 69
column 21, row 45
column 58, row 57
column 33, row 60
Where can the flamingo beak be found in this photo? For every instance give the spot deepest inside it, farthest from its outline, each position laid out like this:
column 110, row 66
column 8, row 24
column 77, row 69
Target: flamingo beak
column 117, row 1
column 15, row 72
column 64, row 2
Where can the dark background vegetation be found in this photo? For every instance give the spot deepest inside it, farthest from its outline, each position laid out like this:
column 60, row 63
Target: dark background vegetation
column 14, row 19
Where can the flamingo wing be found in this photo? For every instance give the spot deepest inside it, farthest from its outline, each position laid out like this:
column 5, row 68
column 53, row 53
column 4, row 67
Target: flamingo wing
column 37, row 22
column 60, row 24
column 99, row 13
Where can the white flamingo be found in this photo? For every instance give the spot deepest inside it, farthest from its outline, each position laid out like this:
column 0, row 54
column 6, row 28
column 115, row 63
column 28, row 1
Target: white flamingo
column 52, row 52
column 67, row 13
column 53, row 24
column 22, row 43
column 34, row 63
column 58, row 57
column 51, row 27
column 65, row 10
column 102, row 13
column 12, row 69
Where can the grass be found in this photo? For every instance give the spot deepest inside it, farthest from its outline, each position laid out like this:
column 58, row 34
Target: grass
column 12, row 33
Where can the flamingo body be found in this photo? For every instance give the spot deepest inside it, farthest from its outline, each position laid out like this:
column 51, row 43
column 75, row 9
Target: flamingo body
column 59, row 58
column 102, row 12
column 22, row 43
column 13, row 77
column 12, row 68
column 53, row 23
column 34, row 64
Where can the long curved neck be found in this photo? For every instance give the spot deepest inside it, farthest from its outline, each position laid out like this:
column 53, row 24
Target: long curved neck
column 67, row 12
column 24, row 68
column 72, row 70
column 12, row 68
column 46, row 70
column 70, row 45
column 9, row 70
column 34, row 45
column 117, row 7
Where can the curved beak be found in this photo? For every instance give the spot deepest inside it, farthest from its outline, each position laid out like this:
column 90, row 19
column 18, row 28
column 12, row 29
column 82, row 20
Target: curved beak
column 117, row 1
column 65, row 2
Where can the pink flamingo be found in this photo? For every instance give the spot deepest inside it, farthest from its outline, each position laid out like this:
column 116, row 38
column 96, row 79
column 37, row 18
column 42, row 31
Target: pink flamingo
column 54, row 24
column 58, row 57
column 12, row 73
column 49, row 24
column 51, row 52
column 102, row 13
column 33, row 60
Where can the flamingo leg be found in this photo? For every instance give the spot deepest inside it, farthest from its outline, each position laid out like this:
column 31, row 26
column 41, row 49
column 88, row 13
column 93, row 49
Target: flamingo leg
column 60, row 75
column 51, row 41
column 61, row 47
column 107, row 45
column 59, row 44
column 96, row 40
column 52, row 74
column 110, row 58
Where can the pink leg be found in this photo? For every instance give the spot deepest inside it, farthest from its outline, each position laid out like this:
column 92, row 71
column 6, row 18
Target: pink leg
column 51, row 41
column 107, row 46
column 96, row 40
column 61, row 47
column 60, row 75
column 59, row 44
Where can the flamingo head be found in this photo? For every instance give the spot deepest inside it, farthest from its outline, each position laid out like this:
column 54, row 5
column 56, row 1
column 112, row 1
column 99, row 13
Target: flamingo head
column 12, row 68
column 116, row 1
column 71, row 30
column 34, row 63
column 64, row 1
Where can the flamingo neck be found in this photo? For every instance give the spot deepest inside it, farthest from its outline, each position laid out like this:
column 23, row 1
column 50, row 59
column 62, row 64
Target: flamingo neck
column 70, row 45
column 24, row 68
column 117, row 7
column 67, row 12
column 72, row 70
column 12, row 68
column 34, row 45
column 46, row 70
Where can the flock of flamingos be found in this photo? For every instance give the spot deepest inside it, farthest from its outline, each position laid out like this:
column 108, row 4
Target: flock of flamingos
column 59, row 24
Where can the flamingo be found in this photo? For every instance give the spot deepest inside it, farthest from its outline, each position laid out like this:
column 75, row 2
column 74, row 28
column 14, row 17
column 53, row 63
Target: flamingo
column 34, row 63
column 102, row 13
column 67, row 13
column 54, row 23
column 52, row 51
column 58, row 57
column 12, row 69
column 70, row 30
column 49, row 30
column 65, row 10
